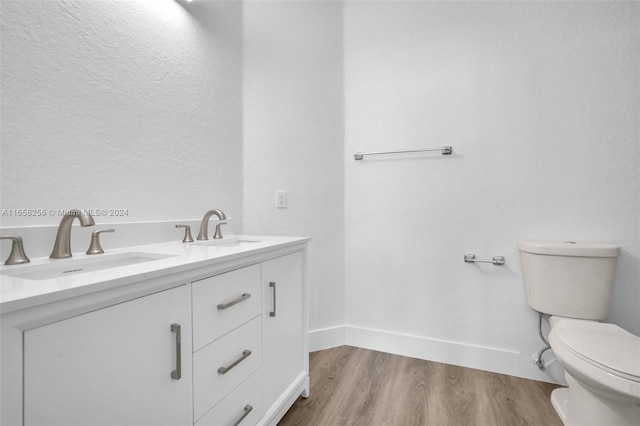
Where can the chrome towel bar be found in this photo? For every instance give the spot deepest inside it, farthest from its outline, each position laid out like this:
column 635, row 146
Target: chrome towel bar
column 445, row 150
column 496, row 260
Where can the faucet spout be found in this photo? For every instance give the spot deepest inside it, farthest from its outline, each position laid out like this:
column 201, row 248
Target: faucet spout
column 204, row 225
column 62, row 246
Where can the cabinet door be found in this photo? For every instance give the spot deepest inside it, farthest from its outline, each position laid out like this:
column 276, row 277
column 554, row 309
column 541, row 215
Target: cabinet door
column 112, row 366
column 282, row 324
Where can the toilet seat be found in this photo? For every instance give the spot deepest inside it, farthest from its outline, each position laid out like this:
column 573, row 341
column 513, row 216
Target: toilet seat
column 605, row 346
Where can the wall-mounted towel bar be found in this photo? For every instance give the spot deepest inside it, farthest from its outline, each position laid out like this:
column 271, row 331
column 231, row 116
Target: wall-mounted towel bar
column 496, row 260
column 445, row 150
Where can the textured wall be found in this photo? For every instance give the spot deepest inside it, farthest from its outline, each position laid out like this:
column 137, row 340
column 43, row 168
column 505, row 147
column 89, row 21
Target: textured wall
column 138, row 105
column 293, row 132
column 540, row 101
column 121, row 104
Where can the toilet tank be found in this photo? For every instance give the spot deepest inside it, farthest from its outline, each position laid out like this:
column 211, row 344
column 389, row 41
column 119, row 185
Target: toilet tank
column 569, row 279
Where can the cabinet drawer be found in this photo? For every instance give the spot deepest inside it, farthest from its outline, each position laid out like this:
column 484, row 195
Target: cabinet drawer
column 224, row 302
column 245, row 399
column 210, row 383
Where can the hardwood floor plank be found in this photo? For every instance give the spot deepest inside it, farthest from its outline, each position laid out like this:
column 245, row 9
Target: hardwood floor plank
column 354, row 386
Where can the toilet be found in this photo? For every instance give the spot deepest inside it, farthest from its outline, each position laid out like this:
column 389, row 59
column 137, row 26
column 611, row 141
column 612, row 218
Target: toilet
column 573, row 282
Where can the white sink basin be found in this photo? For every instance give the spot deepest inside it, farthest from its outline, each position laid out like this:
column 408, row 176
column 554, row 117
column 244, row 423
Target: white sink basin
column 227, row 242
column 67, row 267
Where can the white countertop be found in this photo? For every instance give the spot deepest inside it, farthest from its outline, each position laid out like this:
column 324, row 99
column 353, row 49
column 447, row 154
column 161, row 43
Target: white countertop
column 20, row 293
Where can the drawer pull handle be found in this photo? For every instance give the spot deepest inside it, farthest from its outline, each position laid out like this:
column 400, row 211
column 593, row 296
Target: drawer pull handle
column 177, row 373
column 247, row 410
column 225, row 370
column 223, row 306
column 273, row 286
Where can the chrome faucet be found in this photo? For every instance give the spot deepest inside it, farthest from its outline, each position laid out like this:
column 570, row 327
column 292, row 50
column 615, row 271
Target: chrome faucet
column 62, row 247
column 204, row 226
column 17, row 255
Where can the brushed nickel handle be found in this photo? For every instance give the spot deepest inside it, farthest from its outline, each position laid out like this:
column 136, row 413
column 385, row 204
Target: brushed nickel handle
column 187, row 233
column 273, row 286
column 95, row 247
column 247, row 410
column 177, row 373
column 217, row 234
column 17, row 255
column 245, row 355
column 223, row 306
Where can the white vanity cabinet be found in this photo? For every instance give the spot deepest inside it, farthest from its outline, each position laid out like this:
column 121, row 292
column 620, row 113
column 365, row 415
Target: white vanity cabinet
column 113, row 366
column 209, row 341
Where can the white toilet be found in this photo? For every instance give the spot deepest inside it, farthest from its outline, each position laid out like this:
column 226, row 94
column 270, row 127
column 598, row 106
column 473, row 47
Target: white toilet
column 573, row 282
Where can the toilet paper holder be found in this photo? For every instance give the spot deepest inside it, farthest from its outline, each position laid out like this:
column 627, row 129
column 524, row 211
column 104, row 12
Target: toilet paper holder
column 471, row 258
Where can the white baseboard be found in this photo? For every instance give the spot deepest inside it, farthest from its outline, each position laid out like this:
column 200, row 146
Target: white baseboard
column 326, row 338
column 496, row 360
column 448, row 352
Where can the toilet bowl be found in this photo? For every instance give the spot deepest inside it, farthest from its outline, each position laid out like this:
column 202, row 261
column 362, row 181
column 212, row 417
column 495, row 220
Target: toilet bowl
column 602, row 368
column 573, row 282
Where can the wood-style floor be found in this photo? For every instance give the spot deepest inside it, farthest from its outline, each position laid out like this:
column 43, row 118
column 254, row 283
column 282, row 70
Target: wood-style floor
column 353, row 386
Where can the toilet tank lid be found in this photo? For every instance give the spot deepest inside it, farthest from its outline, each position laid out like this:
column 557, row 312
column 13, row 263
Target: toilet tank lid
column 570, row 248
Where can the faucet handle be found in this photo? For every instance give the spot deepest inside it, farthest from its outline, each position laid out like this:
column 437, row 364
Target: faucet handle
column 187, row 233
column 95, row 247
column 17, row 255
column 218, row 234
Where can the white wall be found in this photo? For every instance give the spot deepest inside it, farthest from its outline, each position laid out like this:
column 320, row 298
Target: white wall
column 131, row 105
column 293, row 138
column 139, row 105
column 540, row 101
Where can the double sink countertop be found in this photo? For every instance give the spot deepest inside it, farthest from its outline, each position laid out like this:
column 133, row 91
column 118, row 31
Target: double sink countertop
column 45, row 280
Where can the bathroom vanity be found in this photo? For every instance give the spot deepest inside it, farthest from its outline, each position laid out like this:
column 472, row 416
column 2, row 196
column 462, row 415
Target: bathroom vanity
column 205, row 333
